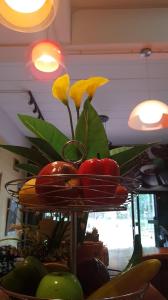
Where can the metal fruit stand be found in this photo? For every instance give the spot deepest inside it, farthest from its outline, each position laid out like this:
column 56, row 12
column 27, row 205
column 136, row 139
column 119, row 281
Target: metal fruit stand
column 57, row 196
column 55, row 200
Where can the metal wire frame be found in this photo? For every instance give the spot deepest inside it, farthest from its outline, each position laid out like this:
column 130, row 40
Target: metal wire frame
column 55, row 194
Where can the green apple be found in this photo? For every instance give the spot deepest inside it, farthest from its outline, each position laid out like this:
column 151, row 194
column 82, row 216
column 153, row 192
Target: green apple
column 60, row 285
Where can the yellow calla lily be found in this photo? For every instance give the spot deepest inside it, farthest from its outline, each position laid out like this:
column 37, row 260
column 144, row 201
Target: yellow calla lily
column 77, row 91
column 60, row 88
column 94, row 83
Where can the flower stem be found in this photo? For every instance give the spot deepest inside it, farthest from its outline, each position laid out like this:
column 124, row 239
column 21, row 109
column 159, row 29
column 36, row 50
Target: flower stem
column 71, row 122
column 77, row 111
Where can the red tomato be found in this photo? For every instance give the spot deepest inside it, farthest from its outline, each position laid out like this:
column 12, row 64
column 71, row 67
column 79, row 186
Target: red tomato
column 57, row 188
column 99, row 189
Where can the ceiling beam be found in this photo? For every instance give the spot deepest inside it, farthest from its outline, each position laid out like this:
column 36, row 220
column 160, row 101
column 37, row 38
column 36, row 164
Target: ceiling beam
column 123, row 26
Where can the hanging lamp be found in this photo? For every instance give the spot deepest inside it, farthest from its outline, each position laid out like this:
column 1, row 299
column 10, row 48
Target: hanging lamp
column 45, row 59
column 149, row 114
column 27, row 15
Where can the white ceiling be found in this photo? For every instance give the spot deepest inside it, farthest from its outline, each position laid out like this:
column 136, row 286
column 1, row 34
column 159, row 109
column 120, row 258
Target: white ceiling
column 131, row 80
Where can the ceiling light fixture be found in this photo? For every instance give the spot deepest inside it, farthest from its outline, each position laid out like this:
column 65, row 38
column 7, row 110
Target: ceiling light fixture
column 27, row 15
column 25, row 6
column 150, row 114
column 45, row 59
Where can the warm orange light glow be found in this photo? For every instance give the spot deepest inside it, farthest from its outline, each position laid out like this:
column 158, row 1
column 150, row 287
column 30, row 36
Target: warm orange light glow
column 24, row 6
column 149, row 115
column 46, row 56
column 46, row 63
column 45, row 60
column 27, row 15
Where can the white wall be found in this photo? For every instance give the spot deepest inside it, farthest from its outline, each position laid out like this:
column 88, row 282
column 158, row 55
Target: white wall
column 10, row 132
column 8, row 174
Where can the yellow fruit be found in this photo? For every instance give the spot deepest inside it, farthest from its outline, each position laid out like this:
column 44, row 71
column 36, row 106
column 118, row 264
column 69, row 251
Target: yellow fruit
column 128, row 281
column 27, row 194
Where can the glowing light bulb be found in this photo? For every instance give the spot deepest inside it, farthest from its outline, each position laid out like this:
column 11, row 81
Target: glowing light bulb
column 25, row 6
column 46, row 56
column 28, row 15
column 46, row 63
column 149, row 115
column 151, row 111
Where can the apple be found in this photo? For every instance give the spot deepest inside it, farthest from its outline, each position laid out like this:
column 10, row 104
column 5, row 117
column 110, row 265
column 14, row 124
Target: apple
column 57, row 188
column 60, row 285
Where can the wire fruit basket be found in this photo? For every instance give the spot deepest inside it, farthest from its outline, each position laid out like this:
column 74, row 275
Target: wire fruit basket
column 66, row 192
column 72, row 191
column 71, row 194
column 56, row 194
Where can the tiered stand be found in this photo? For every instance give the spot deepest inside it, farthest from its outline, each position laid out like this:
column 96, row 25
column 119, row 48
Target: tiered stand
column 55, row 198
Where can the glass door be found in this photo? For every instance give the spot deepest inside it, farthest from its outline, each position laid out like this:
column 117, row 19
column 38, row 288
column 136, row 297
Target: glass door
column 145, row 220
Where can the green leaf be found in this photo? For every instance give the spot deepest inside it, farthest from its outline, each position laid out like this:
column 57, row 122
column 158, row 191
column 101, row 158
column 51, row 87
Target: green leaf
column 127, row 167
column 121, row 154
column 126, row 154
column 45, row 148
column 49, row 133
column 126, row 159
column 90, row 131
column 118, row 150
column 30, row 168
column 31, row 154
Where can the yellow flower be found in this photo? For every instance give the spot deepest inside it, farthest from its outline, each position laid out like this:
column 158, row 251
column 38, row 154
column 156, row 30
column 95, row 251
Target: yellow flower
column 60, row 88
column 94, row 83
column 77, row 91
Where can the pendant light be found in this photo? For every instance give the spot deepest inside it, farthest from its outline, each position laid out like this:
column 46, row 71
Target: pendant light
column 27, row 15
column 45, row 60
column 150, row 114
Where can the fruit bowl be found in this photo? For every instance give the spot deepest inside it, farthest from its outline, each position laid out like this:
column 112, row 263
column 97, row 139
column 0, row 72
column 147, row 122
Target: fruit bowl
column 17, row 296
column 103, row 193
column 136, row 295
